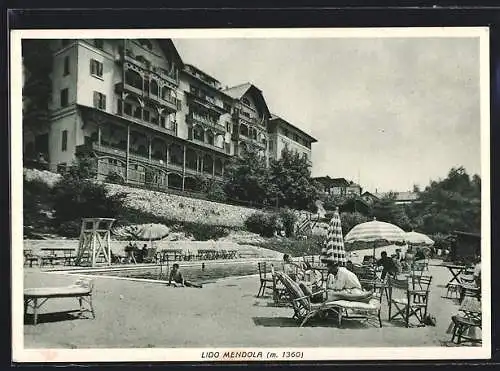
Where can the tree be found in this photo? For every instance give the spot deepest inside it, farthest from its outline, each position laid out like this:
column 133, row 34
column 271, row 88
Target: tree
column 453, row 203
column 213, row 189
column 246, row 177
column 386, row 210
column 292, row 176
column 349, row 220
column 76, row 197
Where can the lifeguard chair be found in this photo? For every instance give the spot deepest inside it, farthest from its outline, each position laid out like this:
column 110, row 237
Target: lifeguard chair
column 95, row 237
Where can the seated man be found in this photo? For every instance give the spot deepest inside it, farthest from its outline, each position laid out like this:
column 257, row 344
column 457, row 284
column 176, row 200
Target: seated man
column 343, row 284
column 387, row 264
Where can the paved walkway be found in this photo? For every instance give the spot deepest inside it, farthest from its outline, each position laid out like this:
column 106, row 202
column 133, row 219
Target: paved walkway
column 225, row 314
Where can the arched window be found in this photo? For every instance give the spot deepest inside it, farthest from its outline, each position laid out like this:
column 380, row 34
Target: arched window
column 198, row 133
column 208, row 164
column 218, row 166
column 133, row 79
column 244, row 130
column 210, row 137
column 191, row 158
column 153, row 87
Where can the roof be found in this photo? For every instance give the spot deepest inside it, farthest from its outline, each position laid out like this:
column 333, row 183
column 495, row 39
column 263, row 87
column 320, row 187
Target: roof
column 281, row 119
column 168, row 46
column 467, row 234
column 238, row 91
column 203, row 72
column 400, row 196
column 368, row 194
column 335, row 182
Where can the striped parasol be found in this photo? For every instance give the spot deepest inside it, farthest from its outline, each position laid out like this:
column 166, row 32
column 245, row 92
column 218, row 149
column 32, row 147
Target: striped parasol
column 334, row 251
column 375, row 232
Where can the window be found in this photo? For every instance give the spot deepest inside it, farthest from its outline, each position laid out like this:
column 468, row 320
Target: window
column 146, row 114
column 99, row 43
column 96, row 68
column 133, row 79
column 99, row 100
column 296, row 138
column 64, row 97
column 246, row 101
column 66, row 66
column 64, row 141
column 154, row 87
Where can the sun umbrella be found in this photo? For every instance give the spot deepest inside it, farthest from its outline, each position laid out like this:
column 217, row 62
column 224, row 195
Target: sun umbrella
column 334, row 250
column 415, row 238
column 375, row 232
column 146, row 232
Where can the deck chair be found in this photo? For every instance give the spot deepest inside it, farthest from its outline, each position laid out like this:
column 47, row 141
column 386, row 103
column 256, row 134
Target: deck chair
column 266, row 279
column 410, row 298
column 303, row 308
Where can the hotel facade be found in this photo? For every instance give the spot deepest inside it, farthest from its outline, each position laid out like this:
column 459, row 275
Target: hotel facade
column 142, row 113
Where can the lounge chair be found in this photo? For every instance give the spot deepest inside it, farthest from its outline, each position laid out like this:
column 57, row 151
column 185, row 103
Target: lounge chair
column 305, row 309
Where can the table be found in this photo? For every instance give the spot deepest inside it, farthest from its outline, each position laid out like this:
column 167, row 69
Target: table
column 36, row 297
column 455, row 270
column 67, row 254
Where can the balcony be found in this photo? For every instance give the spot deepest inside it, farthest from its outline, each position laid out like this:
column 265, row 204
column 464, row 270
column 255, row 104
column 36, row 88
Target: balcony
column 146, row 124
column 207, row 103
column 225, row 150
column 121, row 153
column 252, row 141
column 146, row 66
column 194, row 119
column 171, row 103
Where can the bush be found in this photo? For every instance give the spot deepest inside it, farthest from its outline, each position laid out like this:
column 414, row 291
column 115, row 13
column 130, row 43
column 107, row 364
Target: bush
column 205, row 232
column 114, row 178
column 76, row 197
column 262, row 223
column 289, row 218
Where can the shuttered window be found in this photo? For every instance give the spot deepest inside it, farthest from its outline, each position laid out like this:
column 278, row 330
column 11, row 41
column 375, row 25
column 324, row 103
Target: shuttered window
column 96, row 68
column 99, row 100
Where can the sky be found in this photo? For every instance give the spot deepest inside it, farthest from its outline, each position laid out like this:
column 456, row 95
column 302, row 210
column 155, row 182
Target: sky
column 388, row 113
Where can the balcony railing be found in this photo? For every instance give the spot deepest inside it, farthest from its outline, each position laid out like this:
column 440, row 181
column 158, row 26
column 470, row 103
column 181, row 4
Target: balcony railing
column 211, row 146
column 194, row 119
column 170, row 131
column 208, row 103
column 170, row 102
column 148, row 66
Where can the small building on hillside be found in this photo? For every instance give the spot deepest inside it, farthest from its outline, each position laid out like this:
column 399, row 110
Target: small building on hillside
column 339, row 186
column 465, row 245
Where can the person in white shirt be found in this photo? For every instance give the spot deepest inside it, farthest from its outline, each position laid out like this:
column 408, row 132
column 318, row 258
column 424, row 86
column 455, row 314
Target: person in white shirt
column 341, row 282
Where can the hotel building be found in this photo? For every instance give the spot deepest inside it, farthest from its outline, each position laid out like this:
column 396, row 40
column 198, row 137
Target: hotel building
column 141, row 112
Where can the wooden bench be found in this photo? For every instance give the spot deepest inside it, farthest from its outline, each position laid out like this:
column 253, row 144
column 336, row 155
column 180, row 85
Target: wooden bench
column 36, row 297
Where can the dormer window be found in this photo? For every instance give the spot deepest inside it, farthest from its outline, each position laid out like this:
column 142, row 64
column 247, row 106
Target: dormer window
column 246, row 101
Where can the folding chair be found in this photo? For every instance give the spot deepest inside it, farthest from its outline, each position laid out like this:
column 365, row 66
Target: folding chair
column 264, row 279
column 410, row 298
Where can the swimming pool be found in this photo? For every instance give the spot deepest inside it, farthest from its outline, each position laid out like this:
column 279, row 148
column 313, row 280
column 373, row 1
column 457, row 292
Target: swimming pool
column 191, row 272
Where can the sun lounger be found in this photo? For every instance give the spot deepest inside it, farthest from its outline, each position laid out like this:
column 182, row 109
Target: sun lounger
column 305, row 309
column 36, row 297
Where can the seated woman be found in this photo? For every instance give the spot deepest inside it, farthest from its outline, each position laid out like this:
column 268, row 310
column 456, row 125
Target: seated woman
column 343, row 284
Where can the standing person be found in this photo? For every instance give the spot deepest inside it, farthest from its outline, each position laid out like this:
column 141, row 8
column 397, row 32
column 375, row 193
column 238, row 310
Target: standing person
column 143, row 253
column 387, row 264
